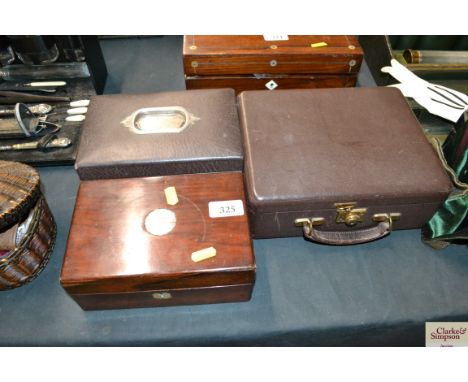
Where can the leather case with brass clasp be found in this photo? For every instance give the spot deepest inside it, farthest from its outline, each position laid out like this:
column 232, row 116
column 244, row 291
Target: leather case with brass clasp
column 339, row 166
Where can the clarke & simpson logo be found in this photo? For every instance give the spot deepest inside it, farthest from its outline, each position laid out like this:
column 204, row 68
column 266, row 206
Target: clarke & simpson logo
column 446, row 333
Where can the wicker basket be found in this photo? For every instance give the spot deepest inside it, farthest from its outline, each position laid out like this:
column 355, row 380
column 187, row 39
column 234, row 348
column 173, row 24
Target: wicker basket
column 25, row 218
column 31, row 256
column 19, row 192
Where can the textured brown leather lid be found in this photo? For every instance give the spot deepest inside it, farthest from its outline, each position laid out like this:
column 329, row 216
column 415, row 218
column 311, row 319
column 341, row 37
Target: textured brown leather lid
column 311, row 148
column 108, row 149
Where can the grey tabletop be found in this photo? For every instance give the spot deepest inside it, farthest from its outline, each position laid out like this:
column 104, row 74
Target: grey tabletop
column 379, row 293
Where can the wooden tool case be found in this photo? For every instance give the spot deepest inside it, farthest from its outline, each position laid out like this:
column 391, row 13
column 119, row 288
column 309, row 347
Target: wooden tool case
column 118, row 256
column 269, row 62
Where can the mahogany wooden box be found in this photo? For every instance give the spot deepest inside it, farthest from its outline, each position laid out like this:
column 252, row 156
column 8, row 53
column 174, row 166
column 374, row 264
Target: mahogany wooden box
column 112, row 260
column 249, row 62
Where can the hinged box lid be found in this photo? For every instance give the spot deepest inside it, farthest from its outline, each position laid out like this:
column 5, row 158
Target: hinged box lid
column 129, row 135
column 116, row 246
column 310, row 149
column 286, row 54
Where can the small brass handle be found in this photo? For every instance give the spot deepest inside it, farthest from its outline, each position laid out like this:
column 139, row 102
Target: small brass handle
column 383, row 228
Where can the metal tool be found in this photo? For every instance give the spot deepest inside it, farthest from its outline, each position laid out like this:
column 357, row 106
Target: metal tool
column 44, row 84
column 76, row 113
column 40, row 144
column 77, row 110
column 77, row 103
column 39, row 109
column 78, row 107
column 29, row 89
column 80, row 103
column 13, row 97
column 71, row 112
column 75, row 118
column 62, row 70
column 32, row 125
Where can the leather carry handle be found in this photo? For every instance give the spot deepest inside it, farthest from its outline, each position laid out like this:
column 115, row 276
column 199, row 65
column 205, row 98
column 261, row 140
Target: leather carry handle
column 383, row 228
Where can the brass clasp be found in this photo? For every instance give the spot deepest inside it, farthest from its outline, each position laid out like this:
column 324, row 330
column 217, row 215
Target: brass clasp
column 383, row 217
column 308, row 223
column 346, row 213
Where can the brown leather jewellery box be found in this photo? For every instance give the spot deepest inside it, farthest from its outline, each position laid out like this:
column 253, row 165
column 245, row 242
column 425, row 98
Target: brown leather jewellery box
column 128, row 135
column 160, row 240
column 341, row 166
column 271, row 62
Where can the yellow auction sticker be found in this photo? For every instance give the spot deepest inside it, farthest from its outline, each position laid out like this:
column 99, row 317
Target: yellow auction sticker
column 447, row 334
column 318, row 44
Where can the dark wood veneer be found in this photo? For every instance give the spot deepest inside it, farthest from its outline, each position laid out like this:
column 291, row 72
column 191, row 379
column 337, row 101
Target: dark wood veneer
column 109, row 251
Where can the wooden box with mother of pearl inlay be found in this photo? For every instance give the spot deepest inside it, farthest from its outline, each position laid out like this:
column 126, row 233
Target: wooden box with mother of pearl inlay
column 271, row 62
column 159, row 241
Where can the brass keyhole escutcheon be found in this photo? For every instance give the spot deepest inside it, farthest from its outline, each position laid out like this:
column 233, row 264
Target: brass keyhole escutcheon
column 346, row 213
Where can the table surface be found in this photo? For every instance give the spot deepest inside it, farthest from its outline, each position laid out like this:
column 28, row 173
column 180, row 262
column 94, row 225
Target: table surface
column 379, row 293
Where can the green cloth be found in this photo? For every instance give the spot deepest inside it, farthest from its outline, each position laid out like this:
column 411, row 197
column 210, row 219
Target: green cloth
column 450, row 222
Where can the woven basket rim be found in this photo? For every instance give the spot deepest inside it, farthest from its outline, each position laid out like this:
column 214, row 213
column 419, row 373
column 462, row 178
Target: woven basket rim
column 14, row 212
column 41, row 210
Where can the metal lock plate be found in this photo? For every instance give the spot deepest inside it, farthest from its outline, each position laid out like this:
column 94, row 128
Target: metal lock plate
column 347, row 214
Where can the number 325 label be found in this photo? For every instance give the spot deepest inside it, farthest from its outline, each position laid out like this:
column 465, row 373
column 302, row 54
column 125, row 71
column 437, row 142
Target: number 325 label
column 226, row 208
